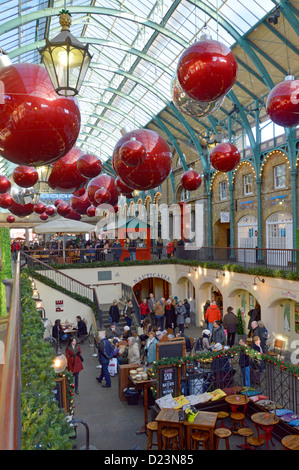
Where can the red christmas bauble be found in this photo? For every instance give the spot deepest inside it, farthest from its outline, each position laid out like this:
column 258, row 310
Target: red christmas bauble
column 225, row 157
column 37, row 126
column 156, row 166
column 63, row 209
column 191, row 180
column 89, row 165
column 5, row 184
column 65, row 176
column 80, row 204
column 57, row 202
column 10, row 219
column 73, row 215
column 6, row 200
column 102, row 181
column 102, row 196
column 80, row 192
column 25, row 176
column 43, row 216
column 21, row 210
column 207, row 70
column 39, row 208
column 132, row 152
column 282, row 103
column 121, row 187
column 91, row 211
column 50, row 211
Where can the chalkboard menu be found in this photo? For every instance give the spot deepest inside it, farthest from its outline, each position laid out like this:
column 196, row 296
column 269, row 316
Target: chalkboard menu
column 168, row 381
column 175, row 348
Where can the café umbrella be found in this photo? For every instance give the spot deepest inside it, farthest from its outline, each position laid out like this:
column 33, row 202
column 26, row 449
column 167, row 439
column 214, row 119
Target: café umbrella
column 64, row 226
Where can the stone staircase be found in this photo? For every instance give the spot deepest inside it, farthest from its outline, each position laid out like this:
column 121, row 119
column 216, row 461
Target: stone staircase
column 122, row 321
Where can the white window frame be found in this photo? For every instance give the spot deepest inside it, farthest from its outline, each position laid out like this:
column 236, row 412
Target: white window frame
column 223, row 190
column 247, row 183
column 277, row 177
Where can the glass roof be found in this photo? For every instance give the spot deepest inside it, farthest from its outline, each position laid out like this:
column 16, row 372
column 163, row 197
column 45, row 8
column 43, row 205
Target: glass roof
column 136, row 46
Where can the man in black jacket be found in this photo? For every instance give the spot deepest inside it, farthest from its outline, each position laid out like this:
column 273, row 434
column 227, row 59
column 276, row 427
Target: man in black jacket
column 81, row 326
column 105, row 350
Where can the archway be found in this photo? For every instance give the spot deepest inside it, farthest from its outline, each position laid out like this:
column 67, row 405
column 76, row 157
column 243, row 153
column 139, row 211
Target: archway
column 242, row 302
column 159, row 286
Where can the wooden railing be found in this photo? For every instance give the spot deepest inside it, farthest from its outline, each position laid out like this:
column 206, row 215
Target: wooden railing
column 10, row 374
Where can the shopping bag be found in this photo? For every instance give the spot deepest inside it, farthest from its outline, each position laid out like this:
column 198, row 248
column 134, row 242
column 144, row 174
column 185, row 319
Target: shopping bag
column 112, row 367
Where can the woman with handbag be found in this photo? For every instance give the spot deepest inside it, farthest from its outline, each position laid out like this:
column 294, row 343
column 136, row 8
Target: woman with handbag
column 74, row 358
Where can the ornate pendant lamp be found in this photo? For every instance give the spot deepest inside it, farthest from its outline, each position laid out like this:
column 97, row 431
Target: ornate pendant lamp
column 66, row 59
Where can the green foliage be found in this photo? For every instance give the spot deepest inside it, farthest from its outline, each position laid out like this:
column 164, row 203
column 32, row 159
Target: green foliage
column 5, row 271
column 240, row 330
column 44, row 425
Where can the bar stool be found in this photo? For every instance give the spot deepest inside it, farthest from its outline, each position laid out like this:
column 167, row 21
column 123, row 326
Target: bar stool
column 200, row 437
column 151, row 427
column 222, row 415
column 245, row 432
column 237, row 418
column 222, row 433
column 255, row 441
column 170, row 436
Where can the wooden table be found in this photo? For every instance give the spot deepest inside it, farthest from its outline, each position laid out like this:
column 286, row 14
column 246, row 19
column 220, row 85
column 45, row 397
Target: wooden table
column 203, row 421
column 143, row 384
column 237, row 400
column 266, row 421
column 291, row 442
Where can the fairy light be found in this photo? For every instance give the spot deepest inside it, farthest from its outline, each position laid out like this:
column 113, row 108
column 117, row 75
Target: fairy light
column 274, row 153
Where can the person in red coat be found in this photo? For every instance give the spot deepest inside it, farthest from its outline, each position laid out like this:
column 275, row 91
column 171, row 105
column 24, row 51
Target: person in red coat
column 169, row 249
column 144, row 310
column 74, row 361
column 213, row 313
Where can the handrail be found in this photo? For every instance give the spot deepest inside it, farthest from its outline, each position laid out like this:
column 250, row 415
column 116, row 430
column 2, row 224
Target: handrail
column 10, row 374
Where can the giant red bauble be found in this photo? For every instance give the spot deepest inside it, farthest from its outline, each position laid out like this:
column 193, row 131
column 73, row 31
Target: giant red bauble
column 50, row 211
column 121, row 187
column 21, row 210
column 225, row 157
column 6, row 200
column 207, row 70
column 5, row 184
column 57, row 202
column 65, row 176
column 25, row 176
column 89, row 165
column 80, row 204
column 132, row 152
column 282, row 103
column 63, row 209
column 73, row 215
column 91, row 211
column 37, row 126
column 39, row 208
column 106, row 182
column 102, row 196
column 10, row 219
column 156, row 166
column 44, row 216
column 191, row 180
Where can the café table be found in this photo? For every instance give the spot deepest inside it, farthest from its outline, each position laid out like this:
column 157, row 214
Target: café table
column 291, row 442
column 266, row 421
column 203, row 421
column 169, row 417
column 144, row 385
column 235, row 401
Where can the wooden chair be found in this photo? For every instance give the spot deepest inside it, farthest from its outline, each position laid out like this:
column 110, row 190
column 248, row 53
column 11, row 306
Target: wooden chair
column 237, row 418
column 278, row 345
column 222, row 433
column 246, row 433
column 200, row 438
column 151, row 427
column 170, row 438
column 255, row 441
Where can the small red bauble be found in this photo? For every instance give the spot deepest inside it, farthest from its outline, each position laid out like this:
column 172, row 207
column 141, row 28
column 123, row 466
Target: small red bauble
column 282, row 103
column 102, row 181
column 21, row 210
column 80, row 192
column 225, row 157
column 207, row 70
column 39, row 208
column 91, row 211
column 121, row 187
column 65, row 176
column 89, row 165
column 156, row 166
column 6, row 200
column 191, row 180
column 63, row 209
column 50, row 211
column 132, row 152
column 80, row 204
column 37, row 126
column 73, row 215
column 10, row 219
column 57, row 202
column 102, row 196
column 43, row 216
column 5, row 184
column 25, row 176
